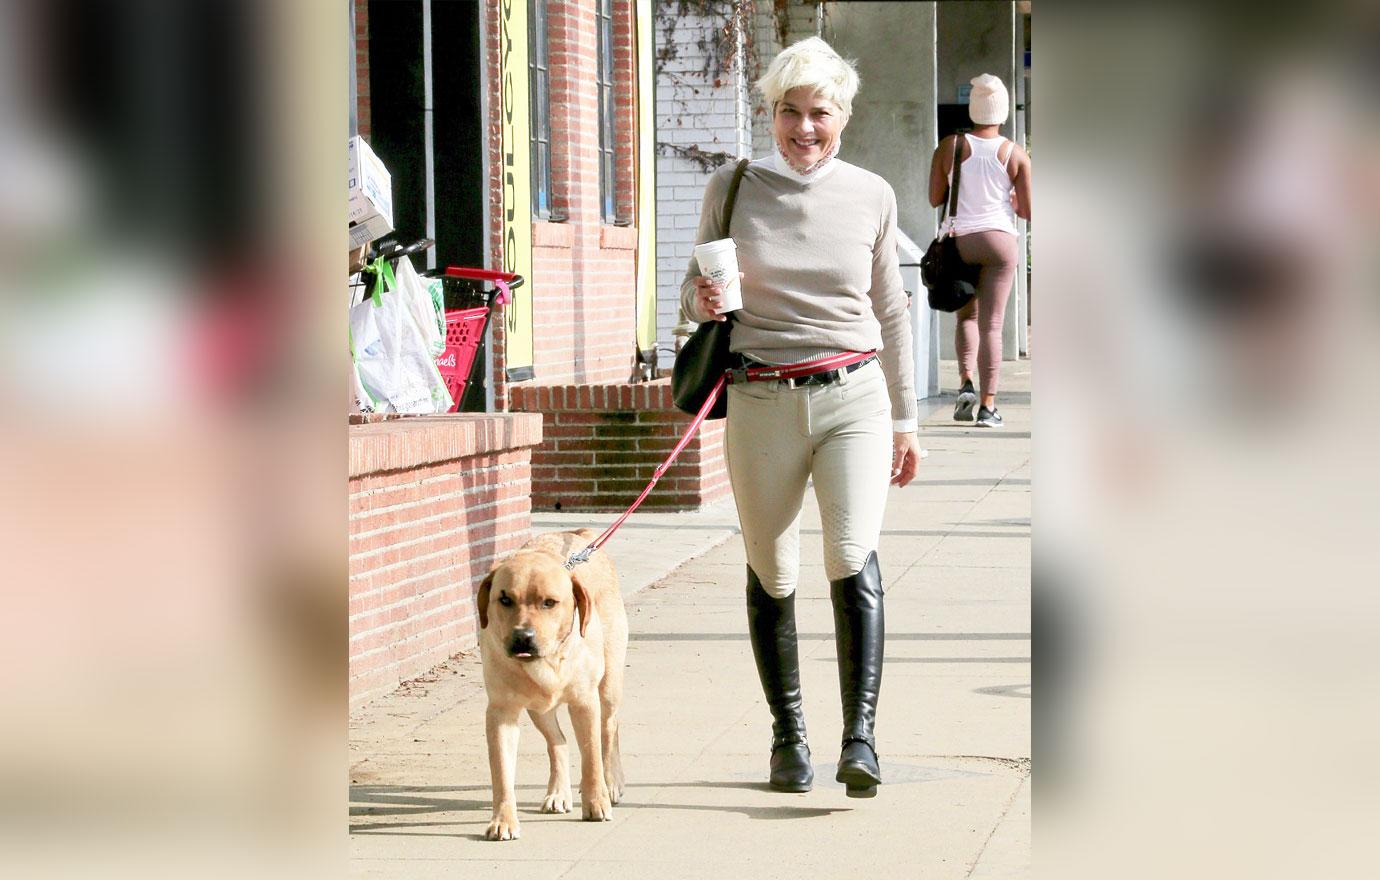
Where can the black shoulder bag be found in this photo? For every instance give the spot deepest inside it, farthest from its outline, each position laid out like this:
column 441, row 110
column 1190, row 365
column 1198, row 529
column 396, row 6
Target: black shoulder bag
column 950, row 281
column 705, row 356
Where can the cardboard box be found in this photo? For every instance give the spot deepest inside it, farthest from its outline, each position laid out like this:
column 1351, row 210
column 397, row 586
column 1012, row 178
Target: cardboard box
column 371, row 195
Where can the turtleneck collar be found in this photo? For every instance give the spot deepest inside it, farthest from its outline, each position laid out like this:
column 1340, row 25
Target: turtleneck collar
column 816, row 172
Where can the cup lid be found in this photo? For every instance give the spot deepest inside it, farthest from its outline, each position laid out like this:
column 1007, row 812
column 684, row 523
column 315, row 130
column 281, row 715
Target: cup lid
column 722, row 244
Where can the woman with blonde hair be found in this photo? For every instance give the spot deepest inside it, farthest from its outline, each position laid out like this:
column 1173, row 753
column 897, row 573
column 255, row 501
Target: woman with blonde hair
column 821, row 286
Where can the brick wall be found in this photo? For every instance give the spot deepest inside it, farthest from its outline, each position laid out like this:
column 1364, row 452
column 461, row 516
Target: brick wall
column 433, row 502
column 363, row 103
column 493, row 98
column 584, row 270
column 602, row 443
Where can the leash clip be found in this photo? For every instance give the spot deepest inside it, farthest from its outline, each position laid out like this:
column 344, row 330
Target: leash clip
column 578, row 558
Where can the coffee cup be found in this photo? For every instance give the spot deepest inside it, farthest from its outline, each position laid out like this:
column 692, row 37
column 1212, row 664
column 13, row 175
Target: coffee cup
column 718, row 262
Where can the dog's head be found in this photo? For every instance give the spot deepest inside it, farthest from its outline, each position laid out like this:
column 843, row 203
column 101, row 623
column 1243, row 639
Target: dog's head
column 534, row 603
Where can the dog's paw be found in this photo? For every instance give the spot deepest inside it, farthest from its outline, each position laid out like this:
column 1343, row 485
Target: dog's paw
column 615, row 787
column 557, row 802
column 597, row 808
column 504, row 826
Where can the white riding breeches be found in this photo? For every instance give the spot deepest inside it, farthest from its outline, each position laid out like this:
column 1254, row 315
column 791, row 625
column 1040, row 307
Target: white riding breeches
column 777, row 439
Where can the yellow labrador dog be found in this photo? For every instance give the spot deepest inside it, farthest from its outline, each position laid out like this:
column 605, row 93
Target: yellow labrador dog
column 549, row 637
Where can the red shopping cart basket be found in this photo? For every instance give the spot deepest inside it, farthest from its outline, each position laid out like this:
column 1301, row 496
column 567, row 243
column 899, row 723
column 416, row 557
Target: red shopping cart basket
column 465, row 330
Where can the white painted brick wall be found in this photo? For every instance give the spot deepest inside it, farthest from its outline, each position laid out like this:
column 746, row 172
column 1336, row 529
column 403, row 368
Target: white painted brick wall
column 690, row 111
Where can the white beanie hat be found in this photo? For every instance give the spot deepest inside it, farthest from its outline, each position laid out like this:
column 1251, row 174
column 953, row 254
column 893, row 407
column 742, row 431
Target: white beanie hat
column 989, row 104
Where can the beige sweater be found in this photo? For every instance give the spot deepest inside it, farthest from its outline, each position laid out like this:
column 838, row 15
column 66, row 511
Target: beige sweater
column 821, row 272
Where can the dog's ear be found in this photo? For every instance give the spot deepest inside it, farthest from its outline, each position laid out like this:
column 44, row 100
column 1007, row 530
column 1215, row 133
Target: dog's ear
column 581, row 604
column 483, row 599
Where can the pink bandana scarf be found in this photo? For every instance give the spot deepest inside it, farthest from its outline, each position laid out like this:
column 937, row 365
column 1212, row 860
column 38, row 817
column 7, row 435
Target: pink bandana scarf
column 807, row 172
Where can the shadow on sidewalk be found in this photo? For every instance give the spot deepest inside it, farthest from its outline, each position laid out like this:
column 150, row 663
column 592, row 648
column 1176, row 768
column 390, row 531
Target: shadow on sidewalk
column 983, row 481
column 935, row 533
column 828, row 636
column 407, row 800
column 1008, row 398
column 965, row 429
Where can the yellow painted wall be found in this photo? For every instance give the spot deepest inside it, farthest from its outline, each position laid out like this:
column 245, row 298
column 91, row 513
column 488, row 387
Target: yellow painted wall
column 646, row 177
column 514, row 115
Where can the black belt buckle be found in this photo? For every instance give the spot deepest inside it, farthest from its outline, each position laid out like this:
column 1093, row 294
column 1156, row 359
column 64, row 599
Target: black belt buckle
column 825, row 377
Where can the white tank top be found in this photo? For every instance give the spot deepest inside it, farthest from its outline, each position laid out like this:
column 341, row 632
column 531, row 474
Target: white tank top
column 984, row 192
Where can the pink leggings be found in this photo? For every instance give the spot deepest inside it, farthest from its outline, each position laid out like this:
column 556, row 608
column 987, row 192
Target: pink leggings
column 977, row 337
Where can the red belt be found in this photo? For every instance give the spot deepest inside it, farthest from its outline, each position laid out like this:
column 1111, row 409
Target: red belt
column 844, row 362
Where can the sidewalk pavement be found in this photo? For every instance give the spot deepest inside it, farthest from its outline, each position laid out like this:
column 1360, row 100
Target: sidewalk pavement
column 953, row 728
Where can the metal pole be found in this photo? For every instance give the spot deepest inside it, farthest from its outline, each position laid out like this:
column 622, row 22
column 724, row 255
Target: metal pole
column 428, row 135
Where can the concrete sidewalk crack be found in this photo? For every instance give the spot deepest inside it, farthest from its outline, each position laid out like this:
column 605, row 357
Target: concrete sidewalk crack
column 1005, row 810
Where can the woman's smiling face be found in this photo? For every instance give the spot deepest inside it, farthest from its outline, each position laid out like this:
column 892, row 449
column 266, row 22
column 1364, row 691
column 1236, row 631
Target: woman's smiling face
column 806, row 126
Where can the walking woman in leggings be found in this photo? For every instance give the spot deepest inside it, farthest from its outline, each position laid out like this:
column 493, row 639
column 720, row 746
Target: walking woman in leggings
column 993, row 190
column 821, row 293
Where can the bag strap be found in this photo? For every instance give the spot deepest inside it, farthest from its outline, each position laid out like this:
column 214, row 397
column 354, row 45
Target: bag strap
column 732, row 196
column 952, row 207
column 729, row 200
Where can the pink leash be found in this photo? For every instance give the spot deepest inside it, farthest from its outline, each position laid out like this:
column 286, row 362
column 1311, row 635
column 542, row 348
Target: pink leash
column 583, row 555
column 760, row 374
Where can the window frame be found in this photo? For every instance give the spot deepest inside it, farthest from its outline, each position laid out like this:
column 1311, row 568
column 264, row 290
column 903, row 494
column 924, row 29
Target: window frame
column 605, row 77
column 539, row 100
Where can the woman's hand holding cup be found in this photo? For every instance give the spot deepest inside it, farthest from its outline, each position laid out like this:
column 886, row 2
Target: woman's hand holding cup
column 709, row 297
column 720, row 288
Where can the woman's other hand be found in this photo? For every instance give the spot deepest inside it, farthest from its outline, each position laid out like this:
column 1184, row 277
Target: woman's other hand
column 905, row 458
column 709, row 297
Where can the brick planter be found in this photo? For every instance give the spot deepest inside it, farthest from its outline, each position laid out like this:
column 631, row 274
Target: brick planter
column 601, row 444
column 433, row 502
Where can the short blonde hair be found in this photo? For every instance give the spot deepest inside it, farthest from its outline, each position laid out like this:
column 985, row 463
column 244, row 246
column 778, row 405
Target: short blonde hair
column 813, row 63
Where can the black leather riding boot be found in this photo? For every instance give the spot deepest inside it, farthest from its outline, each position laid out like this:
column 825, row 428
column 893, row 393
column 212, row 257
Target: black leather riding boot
column 859, row 630
column 771, row 624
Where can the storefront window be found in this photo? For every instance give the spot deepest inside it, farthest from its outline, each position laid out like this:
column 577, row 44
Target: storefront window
column 539, row 68
column 608, row 182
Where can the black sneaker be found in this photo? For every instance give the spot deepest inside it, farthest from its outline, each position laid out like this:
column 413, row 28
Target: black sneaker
column 988, row 418
column 967, row 399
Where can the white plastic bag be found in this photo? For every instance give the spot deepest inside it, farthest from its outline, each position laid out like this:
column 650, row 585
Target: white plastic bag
column 417, row 295
column 365, row 344
column 394, row 368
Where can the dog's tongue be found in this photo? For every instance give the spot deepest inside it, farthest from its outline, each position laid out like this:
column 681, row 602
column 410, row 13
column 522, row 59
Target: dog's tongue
column 522, row 654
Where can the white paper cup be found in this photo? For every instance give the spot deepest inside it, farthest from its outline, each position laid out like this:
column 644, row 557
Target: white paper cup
column 719, row 263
